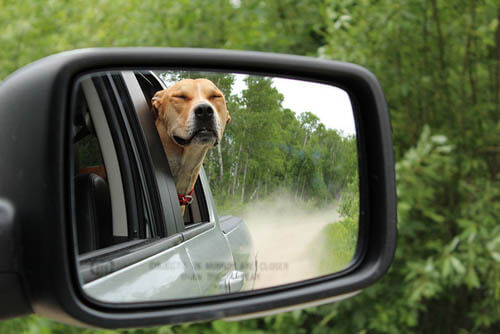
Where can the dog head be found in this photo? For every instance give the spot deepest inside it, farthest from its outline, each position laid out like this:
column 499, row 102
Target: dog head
column 193, row 112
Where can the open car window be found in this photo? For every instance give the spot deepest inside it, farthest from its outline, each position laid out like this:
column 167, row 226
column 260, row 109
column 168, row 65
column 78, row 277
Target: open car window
column 197, row 211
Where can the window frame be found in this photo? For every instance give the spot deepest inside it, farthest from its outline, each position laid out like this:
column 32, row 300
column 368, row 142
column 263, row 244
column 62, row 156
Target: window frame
column 200, row 201
column 103, row 261
column 142, row 158
column 117, row 125
column 108, row 153
column 200, row 196
column 162, row 183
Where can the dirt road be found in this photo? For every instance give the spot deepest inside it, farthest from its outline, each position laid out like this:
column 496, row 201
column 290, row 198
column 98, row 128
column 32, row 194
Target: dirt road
column 283, row 233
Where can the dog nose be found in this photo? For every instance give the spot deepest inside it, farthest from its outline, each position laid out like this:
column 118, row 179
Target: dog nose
column 204, row 111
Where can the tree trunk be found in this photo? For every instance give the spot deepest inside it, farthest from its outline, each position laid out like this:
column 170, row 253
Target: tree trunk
column 435, row 14
column 221, row 167
column 297, row 187
column 265, row 185
column 496, row 66
column 303, row 187
column 468, row 65
column 427, row 114
column 207, row 166
column 244, row 180
column 254, row 193
column 305, row 139
column 442, row 58
column 236, row 170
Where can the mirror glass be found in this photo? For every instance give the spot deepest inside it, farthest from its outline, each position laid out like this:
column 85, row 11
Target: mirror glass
column 190, row 184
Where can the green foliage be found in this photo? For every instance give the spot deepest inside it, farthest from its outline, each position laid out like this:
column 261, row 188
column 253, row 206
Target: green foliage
column 337, row 241
column 439, row 64
column 437, row 60
column 349, row 205
column 35, row 29
column 445, row 276
column 336, row 245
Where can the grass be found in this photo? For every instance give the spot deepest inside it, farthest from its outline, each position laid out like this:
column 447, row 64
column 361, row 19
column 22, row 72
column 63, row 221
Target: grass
column 335, row 246
column 229, row 206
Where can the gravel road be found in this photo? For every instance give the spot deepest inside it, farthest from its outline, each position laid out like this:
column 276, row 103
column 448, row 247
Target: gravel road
column 283, row 231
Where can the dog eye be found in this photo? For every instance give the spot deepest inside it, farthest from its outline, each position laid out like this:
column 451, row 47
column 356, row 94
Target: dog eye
column 184, row 97
column 215, row 96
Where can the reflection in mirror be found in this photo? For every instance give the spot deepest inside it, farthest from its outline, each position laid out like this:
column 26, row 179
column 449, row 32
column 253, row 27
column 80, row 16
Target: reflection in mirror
column 190, row 184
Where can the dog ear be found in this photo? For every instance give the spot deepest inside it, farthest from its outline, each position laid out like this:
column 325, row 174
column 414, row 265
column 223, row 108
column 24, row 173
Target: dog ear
column 228, row 118
column 156, row 102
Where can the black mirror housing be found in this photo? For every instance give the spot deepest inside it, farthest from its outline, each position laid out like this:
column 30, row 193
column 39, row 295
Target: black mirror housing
column 38, row 269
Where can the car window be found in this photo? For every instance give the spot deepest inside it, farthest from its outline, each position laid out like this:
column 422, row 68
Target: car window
column 110, row 201
column 197, row 211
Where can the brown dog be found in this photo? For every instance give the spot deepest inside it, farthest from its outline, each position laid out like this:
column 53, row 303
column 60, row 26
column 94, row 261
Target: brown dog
column 191, row 117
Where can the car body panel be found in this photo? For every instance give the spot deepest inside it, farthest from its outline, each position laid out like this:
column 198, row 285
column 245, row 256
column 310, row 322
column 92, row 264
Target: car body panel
column 240, row 241
column 167, row 275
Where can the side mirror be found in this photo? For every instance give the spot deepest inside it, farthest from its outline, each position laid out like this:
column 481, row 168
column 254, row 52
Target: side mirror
column 155, row 186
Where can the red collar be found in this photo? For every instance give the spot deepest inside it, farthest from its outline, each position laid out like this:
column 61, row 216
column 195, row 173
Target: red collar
column 185, row 199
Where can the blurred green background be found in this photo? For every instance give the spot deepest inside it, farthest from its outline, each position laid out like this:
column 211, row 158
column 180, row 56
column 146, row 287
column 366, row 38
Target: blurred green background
column 439, row 64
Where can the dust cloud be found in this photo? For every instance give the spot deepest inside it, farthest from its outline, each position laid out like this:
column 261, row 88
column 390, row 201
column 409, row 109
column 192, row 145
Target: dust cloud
column 283, row 230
